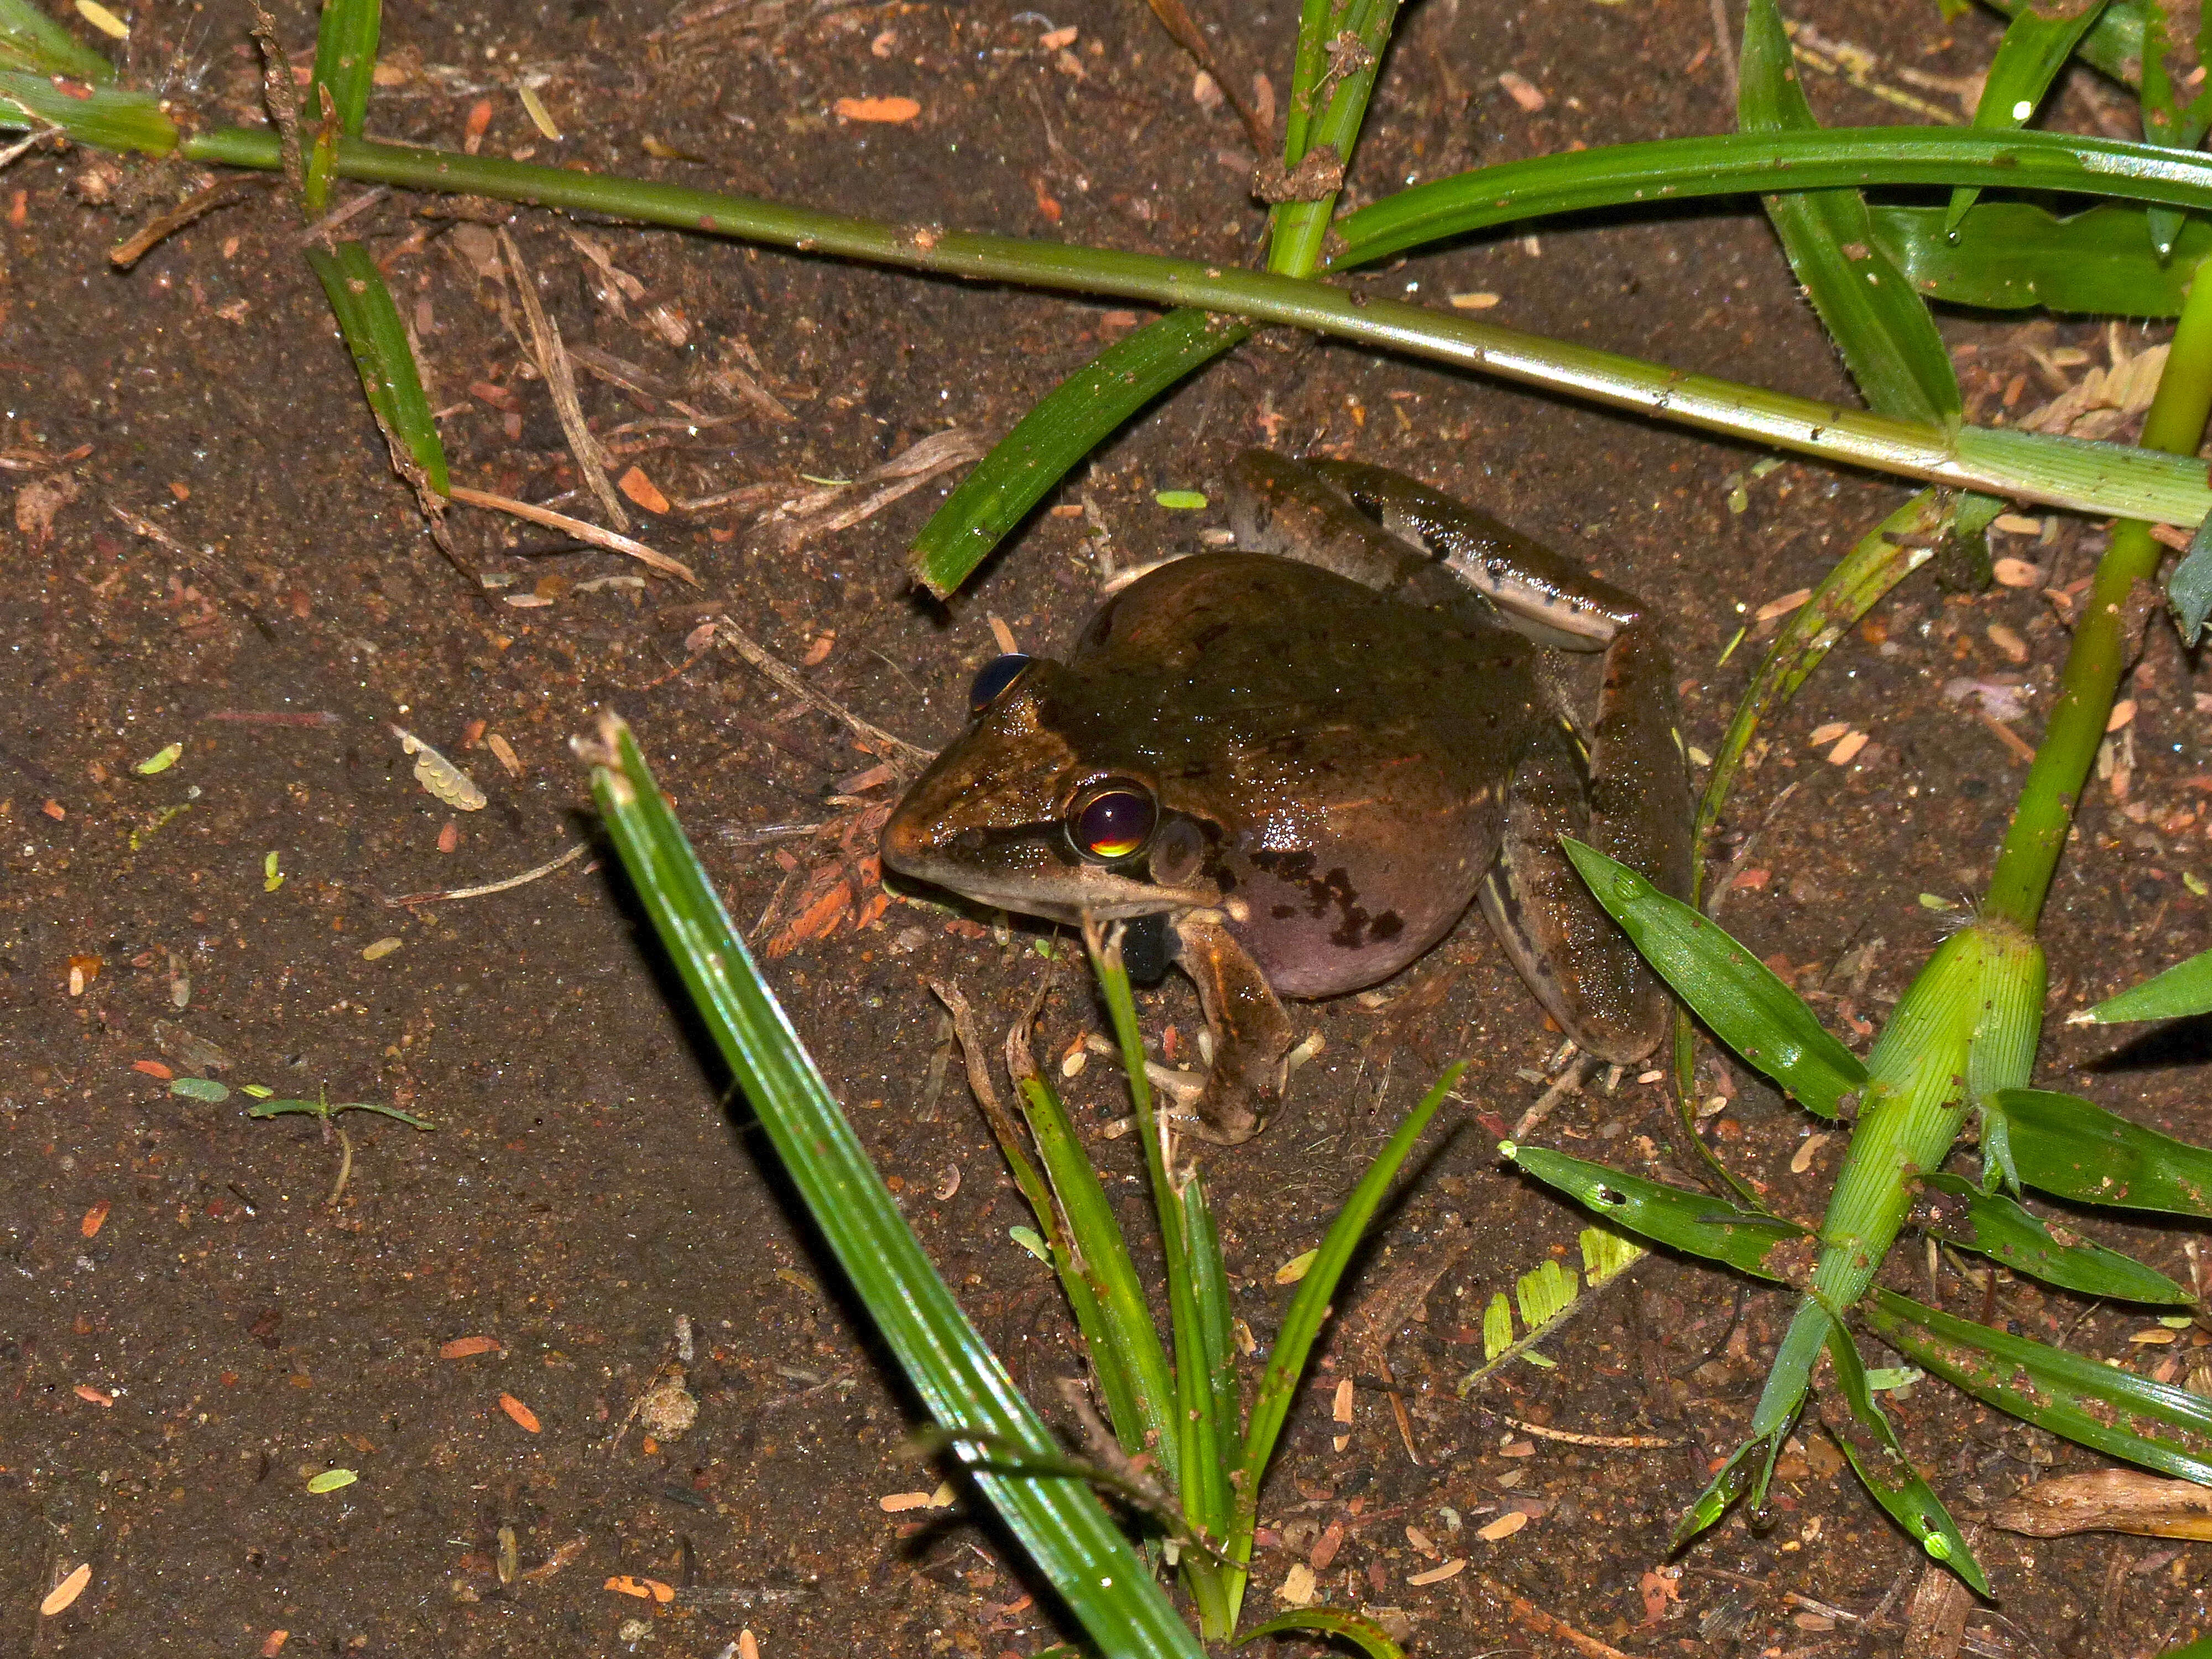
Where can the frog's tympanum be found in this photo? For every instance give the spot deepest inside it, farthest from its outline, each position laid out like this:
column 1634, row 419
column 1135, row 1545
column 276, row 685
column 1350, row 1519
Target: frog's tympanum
column 1290, row 767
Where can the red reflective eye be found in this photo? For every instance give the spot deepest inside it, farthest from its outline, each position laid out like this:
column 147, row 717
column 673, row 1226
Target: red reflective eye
column 1112, row 822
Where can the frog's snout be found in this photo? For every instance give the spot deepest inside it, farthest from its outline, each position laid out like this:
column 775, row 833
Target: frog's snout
column 905, row 839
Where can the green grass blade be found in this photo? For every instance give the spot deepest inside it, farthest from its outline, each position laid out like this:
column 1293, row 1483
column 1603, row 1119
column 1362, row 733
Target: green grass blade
column 1864, row 1431
column 1725, row 985
column 2182, row 990
column 2081, row 1398
column 1993, row 1226
column 345, row 62
column 2098, row 478
column 1887, row 339
column 1217, row 1326
column 1896, row 547
column 1742, row 163
column 1125, row 1345
column 2075, row 1149
column 1071, row 420
column 2114, row 44
column 1310, row 1307
column 2188, row 589
column 1065, row 1529
column 2011, row 255
column 377, row 338
column 2035, row 47
column 2167, row 120
column 31, row 42
column 1307, row 64
column 1779, row 1403
column 1371, row 1639
column 1764, row 1246
column 103, row 117
column 1361, row 35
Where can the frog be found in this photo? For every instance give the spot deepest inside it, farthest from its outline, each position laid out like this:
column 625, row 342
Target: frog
column 1288, row 767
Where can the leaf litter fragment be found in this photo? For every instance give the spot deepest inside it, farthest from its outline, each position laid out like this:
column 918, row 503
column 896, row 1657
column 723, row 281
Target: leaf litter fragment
column 331, row 1480
column 440, row 777
column 62, row 1595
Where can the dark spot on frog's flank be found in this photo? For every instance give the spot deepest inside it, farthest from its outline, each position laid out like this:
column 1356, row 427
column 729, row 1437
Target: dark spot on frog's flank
column 1284, row 912
column 1331, row 891
column 1285, row 866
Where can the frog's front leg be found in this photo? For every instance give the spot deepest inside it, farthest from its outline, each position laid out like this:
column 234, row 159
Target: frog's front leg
column 1624, row 788
column 1251, row 1033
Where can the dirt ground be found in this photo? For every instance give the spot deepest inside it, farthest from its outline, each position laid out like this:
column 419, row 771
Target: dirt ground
column 486, row 1326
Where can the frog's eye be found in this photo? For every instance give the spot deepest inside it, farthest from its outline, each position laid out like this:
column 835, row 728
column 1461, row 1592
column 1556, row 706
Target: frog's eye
column 1112, row 821
column 995, row 678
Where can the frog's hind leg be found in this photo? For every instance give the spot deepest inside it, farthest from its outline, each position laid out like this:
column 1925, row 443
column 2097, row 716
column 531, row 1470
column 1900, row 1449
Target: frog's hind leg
column 1543, row 592
column 1574, row 957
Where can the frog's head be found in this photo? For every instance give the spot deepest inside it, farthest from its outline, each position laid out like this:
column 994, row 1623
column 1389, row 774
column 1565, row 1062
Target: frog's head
column 1012, row 815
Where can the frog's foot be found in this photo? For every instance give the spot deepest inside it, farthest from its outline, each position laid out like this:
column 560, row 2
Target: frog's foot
column 1251, row 1032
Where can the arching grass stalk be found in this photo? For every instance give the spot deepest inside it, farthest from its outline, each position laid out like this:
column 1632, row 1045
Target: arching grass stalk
column 2058, row 471
column 2091, row 674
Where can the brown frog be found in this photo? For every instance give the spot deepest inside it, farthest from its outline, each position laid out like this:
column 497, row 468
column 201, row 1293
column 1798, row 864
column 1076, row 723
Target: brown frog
column 1290, row 767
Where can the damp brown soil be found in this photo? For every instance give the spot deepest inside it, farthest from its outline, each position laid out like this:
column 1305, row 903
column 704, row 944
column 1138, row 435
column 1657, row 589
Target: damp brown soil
column 483, row 1327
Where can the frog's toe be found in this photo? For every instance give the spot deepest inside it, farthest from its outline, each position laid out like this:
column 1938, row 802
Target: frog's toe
column 1228, row 1114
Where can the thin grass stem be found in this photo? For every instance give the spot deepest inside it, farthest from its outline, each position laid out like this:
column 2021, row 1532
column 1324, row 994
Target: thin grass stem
column 2059, row 471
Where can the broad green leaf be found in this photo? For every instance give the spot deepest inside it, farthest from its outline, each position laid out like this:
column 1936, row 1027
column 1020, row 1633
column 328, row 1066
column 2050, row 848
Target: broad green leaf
column 1868, row 1440
column 2035, row 47
column 2075, row 1149
column 2011, row 255
column 1996, row 1226
column 345, row 61
column 104, row 117
column 2182, row 990
column 33, row 42
column 1879, row 324
column 2082, row 1399
column 1062, row 1525
column 374, row 333
column 1735, row 994
column 1679, row 1217
column 200, row 1088
column 2199, row 1648
column 1371, row 1639
column 1071, row 420
column 2188, row 589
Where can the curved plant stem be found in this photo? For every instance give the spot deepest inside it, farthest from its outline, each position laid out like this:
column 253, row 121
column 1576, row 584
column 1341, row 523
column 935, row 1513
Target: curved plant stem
column 2060, row 472
column 2021, row 879
column 1741, row 163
